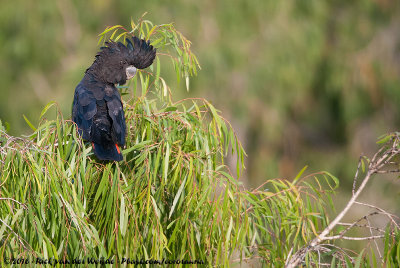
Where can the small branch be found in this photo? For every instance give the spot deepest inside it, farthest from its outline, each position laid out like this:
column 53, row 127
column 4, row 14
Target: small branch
column 7, row 198
column 353, row 238
column 376, row 244
column 357, row 221
column 363, row 226
column 388, row 171
column 389, row 215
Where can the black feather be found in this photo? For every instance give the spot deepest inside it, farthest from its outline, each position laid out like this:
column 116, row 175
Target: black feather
column 97, row 107
column 129, row 44
column 143, row 54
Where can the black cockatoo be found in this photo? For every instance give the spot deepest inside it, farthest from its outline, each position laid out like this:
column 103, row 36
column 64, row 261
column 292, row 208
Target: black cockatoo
column 97, row 107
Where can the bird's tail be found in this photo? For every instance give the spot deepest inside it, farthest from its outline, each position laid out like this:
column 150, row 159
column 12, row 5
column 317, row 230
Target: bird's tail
column 109, row 151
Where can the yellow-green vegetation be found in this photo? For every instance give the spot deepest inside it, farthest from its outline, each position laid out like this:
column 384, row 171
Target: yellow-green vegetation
column 172, row 198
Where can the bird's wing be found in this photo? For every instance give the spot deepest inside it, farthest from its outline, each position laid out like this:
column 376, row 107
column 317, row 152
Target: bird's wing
column 116, row 112
column 84, row 109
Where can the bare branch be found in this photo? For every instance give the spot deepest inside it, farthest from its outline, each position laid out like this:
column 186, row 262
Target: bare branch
column 369, row 227
column 354, row 223
column 7, row 198
column 376, row 244
column 353, row 238
column 389, row 215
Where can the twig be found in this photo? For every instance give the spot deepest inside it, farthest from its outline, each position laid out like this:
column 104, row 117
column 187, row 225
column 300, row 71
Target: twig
column 388, row 171
column 7, row 198
column 353, row 238
column 376, row 244
column 363, row 226
column 389, row 215
column 357, row 221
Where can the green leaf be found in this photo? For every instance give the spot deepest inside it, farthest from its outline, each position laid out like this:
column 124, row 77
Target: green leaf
column 122, row 216
column 29, row 123
column 298, row 176
column 176, row 198
column 50, row 104
column 110, row 29
column 359, row 259
column 166, row 161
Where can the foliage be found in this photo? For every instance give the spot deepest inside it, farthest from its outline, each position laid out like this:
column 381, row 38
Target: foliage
column 172, row 198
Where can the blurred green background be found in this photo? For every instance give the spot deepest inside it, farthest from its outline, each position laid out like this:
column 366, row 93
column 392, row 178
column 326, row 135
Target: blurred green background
column 306, row 82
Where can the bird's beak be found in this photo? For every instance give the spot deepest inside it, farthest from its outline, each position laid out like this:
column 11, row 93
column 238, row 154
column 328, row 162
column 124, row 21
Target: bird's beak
column 130, row 72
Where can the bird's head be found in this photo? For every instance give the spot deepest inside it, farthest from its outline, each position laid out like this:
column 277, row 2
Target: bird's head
column 116, row 62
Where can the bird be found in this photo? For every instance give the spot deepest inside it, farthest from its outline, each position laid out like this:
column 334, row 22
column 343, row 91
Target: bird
column 97, row 109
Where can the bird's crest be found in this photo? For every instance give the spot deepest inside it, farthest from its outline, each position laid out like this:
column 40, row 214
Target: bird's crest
column 113, row 59
column 138, row 53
